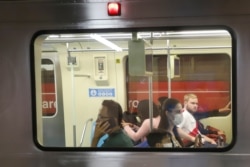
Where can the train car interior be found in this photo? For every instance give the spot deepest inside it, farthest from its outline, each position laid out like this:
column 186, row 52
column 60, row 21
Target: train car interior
column 75, row 71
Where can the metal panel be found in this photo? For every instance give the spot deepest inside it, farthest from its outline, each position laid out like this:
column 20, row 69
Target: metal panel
column 18, row 23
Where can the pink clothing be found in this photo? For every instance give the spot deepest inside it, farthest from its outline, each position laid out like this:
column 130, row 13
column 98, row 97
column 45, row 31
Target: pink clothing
column 144, row 129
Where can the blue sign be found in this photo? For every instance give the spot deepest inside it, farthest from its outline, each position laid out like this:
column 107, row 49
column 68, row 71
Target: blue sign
column 108, row 92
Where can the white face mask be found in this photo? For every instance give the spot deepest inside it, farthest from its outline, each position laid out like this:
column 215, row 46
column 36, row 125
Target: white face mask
column 178, row 119
column 167, row 145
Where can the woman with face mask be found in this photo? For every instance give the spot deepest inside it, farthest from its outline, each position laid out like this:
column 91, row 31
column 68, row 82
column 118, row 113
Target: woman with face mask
column 171, row 116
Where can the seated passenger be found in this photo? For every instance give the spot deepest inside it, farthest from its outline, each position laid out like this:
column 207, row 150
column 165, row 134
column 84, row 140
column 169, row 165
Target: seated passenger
column 109, row 122
column 102, row 139
column 131, row 118
column 191, row 105
column 139, row 133
column 171, row 116
column 160, row 138
column 188, row 128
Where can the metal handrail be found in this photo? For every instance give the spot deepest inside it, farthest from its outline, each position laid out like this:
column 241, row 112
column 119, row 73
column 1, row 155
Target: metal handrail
column 84, row 129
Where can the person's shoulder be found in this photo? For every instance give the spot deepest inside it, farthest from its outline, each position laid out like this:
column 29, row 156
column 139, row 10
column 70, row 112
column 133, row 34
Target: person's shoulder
column 187, row 113
column 146, row 121
column 145, row 124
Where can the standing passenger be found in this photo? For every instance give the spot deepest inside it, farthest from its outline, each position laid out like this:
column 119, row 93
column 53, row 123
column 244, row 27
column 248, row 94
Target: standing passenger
column 109, row 122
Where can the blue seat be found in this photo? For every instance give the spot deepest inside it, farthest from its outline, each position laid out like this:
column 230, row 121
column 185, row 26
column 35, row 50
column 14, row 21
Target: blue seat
column 143, row 144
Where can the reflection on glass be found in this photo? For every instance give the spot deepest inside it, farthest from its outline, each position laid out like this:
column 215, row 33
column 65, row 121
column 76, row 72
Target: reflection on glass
column 199, row 66
column 48, row 88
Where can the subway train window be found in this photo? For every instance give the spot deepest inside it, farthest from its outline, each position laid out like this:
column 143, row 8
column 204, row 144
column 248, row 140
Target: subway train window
column 142, row 90
column 48, row 88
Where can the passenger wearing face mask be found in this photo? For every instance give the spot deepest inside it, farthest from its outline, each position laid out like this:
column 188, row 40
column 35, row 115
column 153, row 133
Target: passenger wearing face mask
column 171, row 116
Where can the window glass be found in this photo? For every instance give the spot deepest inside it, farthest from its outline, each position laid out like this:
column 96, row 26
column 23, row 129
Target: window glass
column 81, row 77
column 48, row 88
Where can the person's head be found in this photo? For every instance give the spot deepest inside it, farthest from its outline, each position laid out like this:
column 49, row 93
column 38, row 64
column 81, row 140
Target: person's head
column 160, row 138
column 191, row 102
column 143, row 110
column 129, row 117
column 171, row 114
column 161, row 101
column 111, row 111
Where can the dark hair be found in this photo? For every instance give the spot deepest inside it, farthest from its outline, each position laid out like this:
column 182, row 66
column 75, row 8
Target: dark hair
column 168, row 106
column 161, row 101
column 129, row 117
column 114, row 109
column 143, row 110
column 156, row 136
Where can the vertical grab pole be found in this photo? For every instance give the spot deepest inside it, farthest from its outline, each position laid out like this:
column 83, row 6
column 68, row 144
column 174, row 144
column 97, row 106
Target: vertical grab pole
column 150, row 85
column 72, row 94
column 169, row 69
column 150, row 101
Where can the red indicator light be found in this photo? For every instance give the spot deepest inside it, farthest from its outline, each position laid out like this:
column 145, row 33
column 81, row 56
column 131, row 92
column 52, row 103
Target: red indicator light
column 114, row 9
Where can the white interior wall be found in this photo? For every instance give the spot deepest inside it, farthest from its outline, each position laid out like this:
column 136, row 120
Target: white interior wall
column 88, row 107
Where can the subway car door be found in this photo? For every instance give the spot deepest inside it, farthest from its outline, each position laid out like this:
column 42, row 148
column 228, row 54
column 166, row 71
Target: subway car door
column 52, row 101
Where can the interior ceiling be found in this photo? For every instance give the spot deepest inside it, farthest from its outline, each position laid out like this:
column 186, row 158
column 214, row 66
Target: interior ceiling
column 144, row 35
column 85, row 41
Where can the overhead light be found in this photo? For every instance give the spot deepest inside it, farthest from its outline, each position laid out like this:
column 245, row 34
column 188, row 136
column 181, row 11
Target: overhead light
column 199, row 32
column 106, row 42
